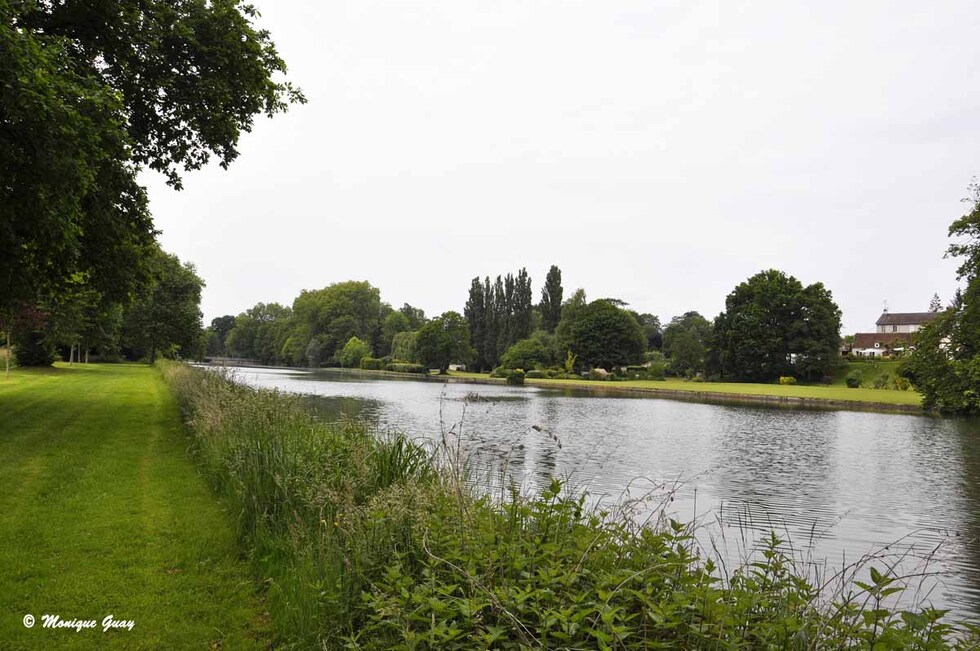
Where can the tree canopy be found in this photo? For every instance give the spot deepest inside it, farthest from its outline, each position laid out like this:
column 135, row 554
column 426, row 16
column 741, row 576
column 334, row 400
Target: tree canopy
column 685, row 342
column 774, row 326
column 90, row 94
column 551, row 297
column 603, row 335
column 945, row 364
column 443, row 341
column 166, row 319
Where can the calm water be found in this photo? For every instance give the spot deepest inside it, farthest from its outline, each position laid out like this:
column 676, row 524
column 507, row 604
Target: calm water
column 839, row 484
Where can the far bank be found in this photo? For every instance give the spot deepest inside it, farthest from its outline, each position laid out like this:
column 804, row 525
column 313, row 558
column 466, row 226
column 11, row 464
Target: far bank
column 765, row 395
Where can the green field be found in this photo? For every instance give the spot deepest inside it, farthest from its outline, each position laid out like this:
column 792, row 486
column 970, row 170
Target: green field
column 103, row 512
column 835, row 392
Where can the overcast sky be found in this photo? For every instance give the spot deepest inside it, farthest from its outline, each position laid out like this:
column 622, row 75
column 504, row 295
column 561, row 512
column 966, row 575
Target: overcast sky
column 657, row 152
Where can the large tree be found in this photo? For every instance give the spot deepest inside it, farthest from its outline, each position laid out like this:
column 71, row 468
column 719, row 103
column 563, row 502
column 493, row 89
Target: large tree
column 166, row 319
column 551, row 295
column 325, row 319
column 603, row 335
column 523, row 304
column 945, row 365
column 685, row 343
column 475, row 312
column 90, row 94
column 260, row 333
column 444, row 340
column 774, row 326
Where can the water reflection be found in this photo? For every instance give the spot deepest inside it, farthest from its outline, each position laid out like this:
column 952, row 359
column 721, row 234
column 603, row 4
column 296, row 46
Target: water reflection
column 839, row 484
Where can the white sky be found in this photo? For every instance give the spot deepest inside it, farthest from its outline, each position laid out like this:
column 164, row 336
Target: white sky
column 656, row 152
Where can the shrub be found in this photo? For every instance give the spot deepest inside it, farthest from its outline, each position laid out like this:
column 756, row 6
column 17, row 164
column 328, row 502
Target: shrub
column 406, row 367
column 900, row 383
column 787, row 380
column 537, row 375
column 353, row 352
column 853, row 379
column 516, row 378
column 526, row 353
column 880, row 381
column 31, row 348
column 501, row 372
column 372, row 363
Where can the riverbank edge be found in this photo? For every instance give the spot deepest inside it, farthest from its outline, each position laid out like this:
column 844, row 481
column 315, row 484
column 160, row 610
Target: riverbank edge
column 684, row 395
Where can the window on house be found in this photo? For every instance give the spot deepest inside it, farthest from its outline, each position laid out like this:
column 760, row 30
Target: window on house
column 894, row 328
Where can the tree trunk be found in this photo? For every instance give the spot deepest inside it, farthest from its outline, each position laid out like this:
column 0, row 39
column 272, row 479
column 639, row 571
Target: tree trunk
column 86, row 354
column 8, row 353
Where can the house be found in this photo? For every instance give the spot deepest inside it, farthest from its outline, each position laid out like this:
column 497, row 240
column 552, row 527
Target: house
column 893, row 332
column 903, row 322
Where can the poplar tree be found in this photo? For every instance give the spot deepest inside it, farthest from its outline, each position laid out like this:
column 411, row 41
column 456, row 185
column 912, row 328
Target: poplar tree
column 475, row 312
column 490, row 323
column 500, row 317
column 551, row 296
column 523, row 303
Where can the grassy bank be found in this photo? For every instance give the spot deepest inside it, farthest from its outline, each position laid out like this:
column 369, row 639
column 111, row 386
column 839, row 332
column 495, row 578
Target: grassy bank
column 373, row 542
column 103, row 512
column 829, row 393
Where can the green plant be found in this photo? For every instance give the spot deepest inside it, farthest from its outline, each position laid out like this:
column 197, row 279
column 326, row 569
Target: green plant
column 516, row 378
column 853, row 379
column 787, row 380
column 374, row 542
column 570, row 360
column 526, row 353
column 406, row 367
column 372, row 363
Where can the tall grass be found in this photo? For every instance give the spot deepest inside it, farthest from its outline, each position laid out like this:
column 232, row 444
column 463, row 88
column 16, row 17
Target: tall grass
column 375, row 542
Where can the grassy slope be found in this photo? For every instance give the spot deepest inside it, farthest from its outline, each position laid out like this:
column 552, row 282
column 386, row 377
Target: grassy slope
column 103, row 512
column 821, row 392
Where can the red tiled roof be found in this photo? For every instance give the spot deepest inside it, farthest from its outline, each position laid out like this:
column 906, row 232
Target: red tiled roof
column 884, row 339
column 905, row 318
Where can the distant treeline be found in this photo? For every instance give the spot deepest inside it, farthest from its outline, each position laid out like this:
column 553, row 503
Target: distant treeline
column 773, row 326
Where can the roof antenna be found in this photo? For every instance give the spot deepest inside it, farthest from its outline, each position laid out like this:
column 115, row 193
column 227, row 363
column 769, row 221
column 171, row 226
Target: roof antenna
column 886, row 306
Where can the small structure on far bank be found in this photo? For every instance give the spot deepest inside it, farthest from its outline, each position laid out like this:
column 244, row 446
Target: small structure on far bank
column 893, row 332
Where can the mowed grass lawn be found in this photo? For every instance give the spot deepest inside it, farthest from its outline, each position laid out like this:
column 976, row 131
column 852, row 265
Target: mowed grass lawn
column 834, row 393
column 103, row 512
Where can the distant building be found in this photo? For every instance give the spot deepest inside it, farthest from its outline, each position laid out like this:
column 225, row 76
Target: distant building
column 903, row 322
column 893, row 333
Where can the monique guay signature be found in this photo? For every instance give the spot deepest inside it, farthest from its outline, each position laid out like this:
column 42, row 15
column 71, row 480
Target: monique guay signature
column 108, row 623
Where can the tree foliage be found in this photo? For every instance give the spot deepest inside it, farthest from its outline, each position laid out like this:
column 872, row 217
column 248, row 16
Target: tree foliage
column 551, row 297
column 603, row 335
column 498, row 315
column 526, row 354
column 90, row 94
column 773, row 326
column 404, row 347
column 945, row 365
column 166, row 319
column 475, row 312
column 685, row 343
column 325, row 319
column 352, row 353
column 443, row 341
column 259, row 333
